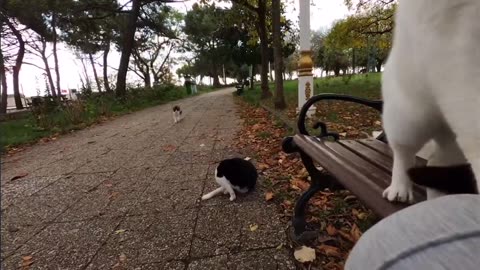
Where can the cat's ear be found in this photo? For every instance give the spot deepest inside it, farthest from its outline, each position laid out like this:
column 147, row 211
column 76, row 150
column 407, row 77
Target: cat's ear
column 448, row 179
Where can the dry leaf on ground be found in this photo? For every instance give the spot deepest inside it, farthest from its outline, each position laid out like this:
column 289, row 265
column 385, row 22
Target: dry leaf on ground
column 268, row 196
column 18, row 176
column 330, row 250
column 355, row 233
column 304, row 254
column 253, row 227
column 331, row 230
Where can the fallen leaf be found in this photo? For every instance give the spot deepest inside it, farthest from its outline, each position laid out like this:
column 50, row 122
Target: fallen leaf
column 331, row 230
column 18, row 176
column 120, row 231
column 26, row 262
column 268, row 196
column 301, row 184
column 253, row 227
column 346, row 236
column 279, row 246
column 304, row 254
column 355, row 233
column 113, row 195
column 263, row 166
column 247, row 158
column 330, row 250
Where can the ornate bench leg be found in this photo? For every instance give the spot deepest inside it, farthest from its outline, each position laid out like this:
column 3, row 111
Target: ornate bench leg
column 319, row 181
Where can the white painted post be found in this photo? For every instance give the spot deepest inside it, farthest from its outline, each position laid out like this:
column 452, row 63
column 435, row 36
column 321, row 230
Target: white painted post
column 305, row 64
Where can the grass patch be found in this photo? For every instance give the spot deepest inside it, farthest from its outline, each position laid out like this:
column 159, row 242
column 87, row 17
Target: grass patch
column 50, row 119
column 362, row 85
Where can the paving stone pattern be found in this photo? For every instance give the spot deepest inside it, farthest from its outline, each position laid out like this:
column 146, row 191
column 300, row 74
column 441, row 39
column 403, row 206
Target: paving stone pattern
column 125, row 195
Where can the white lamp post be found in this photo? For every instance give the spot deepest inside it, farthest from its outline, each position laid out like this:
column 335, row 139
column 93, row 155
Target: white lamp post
column 305, row 64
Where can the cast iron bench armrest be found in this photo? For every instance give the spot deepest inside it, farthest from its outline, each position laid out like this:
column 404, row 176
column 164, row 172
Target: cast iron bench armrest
column 375, row 104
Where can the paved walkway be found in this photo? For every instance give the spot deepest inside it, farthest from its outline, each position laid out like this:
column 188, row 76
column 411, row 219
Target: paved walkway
column 125, row 195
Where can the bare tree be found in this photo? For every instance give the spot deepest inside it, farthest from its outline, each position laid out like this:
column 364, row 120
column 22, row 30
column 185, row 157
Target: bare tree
column 18, row 62
column 37, row 46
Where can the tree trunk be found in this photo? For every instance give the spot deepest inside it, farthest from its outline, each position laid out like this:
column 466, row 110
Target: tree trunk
column 87, row 80
column 353, row 61
column 278, row 57
column 95, row 75
column 3, row 79
column 146, row 77
column 379, row 66
column 216, row 80
column 128, row 42
column 262, row 25
column 106, row 83
column 18, row 65
column 55, row 56
column 252, row 76
column 48, row 72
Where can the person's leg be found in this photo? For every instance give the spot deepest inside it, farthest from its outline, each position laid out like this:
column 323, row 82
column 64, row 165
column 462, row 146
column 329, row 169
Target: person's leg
column 442, row 233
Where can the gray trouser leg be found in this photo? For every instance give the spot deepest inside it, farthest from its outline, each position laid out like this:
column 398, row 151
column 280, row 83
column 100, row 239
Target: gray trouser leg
column 443, row 233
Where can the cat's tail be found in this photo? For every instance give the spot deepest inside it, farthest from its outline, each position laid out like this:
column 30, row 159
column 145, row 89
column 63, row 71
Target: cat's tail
column 457, row 179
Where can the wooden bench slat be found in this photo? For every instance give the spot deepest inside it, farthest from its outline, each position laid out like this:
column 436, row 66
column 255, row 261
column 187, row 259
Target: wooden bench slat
column 377, row 146
column 377, row 175
column 361, row 169
column 373, row 156
column 362, row 186
column 384, row 149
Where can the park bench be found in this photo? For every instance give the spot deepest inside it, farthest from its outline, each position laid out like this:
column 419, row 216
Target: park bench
column 362, row 166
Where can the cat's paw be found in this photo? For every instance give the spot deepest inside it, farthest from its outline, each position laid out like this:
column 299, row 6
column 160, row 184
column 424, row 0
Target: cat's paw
column 225, row 192
column 205, row 197
column 401, row 193
column 232, row 198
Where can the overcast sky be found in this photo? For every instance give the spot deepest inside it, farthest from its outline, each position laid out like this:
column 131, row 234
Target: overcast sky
column 322, row 14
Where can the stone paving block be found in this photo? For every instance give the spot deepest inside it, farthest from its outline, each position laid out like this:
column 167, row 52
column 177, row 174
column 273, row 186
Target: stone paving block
column 217, row 263
column 267, row 259
column 107, row 162
column 154, row 161
column 184, row 172
column 147, row 239
column 33, row 210
column 64, row 245
column 75, row 184
column 18, row 189
column 14, row 235
column 218, row 227
column 191, row 144
column 165, row 198
column 172, row 265
column 107, row 200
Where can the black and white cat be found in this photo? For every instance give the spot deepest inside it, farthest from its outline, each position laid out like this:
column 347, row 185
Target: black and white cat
column 232, row 175
column 177, row 113
column 431, row 88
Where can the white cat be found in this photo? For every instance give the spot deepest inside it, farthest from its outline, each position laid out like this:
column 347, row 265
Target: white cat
column 431, row 87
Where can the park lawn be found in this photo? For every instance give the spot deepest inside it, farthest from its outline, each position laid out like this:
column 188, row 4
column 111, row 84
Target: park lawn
column 362, row 85
column 26, row 130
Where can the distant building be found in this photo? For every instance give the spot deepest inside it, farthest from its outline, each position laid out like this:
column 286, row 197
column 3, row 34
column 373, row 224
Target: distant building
column 11, row 101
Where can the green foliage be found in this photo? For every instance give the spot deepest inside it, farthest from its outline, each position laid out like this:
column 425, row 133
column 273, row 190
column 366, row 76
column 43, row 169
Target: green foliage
column 361, row 40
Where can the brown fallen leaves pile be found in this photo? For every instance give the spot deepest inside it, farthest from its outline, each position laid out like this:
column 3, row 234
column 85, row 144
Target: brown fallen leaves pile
column 338, row 215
